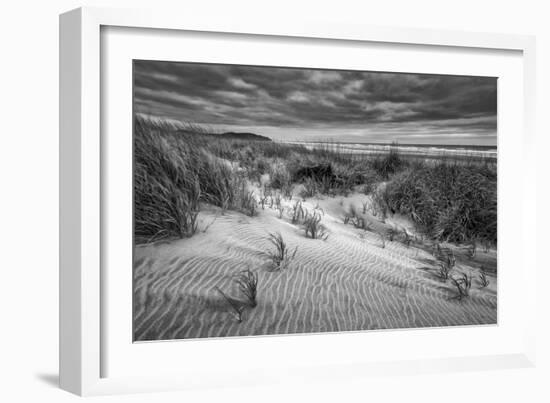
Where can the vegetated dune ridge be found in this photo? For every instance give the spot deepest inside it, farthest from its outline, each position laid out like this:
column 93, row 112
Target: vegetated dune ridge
column 348, row 282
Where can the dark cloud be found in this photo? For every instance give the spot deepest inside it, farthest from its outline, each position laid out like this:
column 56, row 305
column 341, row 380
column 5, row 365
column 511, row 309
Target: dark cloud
column 348, row 105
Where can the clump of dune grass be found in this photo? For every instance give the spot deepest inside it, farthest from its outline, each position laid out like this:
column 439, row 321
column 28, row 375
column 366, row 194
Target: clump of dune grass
column 297, row 212
column 247, row 281
column 483, row 280
column 368, row 188
column 446, row 255
column 172, row 176
column 280, row 177
column 246, row 200
column 350, row 214
column 450, row 202
column 462, row 284
column 379, row 205
column 282, row 255
column 390, row 163
column 310, row 188
column 444, row 269
column 236, row 307
column 352, row 217
column 446, row 261
column 313, row 227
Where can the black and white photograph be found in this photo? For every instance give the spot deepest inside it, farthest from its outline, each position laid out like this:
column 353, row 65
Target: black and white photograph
column 280, row 200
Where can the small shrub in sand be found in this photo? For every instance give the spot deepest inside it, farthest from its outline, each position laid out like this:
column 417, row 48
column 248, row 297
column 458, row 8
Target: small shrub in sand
column 462, row 284
column 247, row 282
column 282, row 255
column 313, row 227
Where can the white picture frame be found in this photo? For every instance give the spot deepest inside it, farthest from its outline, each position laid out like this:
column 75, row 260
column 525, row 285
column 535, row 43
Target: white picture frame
column 82, row 173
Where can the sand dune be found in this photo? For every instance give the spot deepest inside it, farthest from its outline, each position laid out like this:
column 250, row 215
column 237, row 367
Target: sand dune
column 348, row 282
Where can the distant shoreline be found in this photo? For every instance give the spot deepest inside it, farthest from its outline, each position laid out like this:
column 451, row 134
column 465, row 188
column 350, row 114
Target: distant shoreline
column 444, row 146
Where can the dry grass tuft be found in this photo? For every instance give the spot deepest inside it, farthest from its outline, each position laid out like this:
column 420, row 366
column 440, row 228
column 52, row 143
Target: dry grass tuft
column 282, row 255
column 483, row 280
column 313, row 227
column 247, row 282
column 297, row 212
column 236, row 307
column 462, row 284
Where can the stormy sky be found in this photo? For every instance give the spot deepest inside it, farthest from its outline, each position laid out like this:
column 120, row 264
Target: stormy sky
column 306, row 104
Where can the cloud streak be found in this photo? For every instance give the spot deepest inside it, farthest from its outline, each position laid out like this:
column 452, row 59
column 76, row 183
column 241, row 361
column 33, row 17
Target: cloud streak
column 307, row 104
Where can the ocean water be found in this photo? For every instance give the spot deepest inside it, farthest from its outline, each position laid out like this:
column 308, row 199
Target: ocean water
column 420, row 150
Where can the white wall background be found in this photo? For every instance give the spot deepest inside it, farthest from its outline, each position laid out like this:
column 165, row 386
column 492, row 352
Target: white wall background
column 29, row 201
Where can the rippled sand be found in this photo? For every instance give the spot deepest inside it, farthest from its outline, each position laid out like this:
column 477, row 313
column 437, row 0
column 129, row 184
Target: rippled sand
column 348, row 282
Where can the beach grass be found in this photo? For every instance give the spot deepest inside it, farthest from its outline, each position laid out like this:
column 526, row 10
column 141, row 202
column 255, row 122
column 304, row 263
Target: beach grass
column 178, row 171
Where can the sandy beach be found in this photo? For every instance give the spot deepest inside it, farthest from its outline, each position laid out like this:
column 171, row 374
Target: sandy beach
column 351, row 281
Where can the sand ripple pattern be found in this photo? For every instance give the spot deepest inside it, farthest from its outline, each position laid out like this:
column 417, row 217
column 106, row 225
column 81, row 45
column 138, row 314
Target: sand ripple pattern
column 345, row 283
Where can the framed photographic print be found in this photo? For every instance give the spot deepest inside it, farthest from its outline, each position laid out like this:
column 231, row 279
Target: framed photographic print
column 242, row 201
